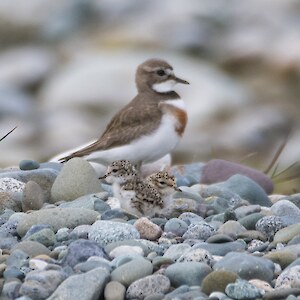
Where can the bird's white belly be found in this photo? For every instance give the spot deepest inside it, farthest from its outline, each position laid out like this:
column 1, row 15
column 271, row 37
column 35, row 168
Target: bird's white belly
column 146, row 148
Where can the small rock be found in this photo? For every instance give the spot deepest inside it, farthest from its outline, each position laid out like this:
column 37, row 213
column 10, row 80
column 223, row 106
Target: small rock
column 7, row 202
column 28, row 164
column 247, row 189
column 201, row 231
column 147, row 286
column 218, row 170
column 106, row 232
column 198, row 255
column 114, row 290
column 262, row 285
column 41, row 284
column 269, row 225
column 32, row 248
column 80, row 250
column 187, row 273
column 121, row 250
column 133, row 270
column 231, row 228
column 84, row 286
column 250, row 221
column 57, row 218
column 281, row 257
column 11, row 185
column 45, row 236
column 247, row 266
column 288, row 211
column 176, row 226
column 289, row 278
column 217, row 281
column 222, row 249
column 284, row 235
column 11, row 289
column 77, row 178
column 33, row 197
column 176, row 251
column 242, row 289
column 147, row 229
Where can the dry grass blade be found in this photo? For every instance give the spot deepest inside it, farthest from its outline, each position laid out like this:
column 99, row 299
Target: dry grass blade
column 294, row 173
column 8, row 133
column 278, row 153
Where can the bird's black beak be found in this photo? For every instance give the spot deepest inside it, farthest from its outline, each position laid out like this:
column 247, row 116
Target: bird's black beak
column 103, row 177
column 179, row 80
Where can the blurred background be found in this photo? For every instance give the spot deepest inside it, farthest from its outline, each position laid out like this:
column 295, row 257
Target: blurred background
column 67, row 66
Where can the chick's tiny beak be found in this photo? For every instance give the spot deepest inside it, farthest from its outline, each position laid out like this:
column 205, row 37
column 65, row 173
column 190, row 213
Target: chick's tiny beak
column 179, row 80
column 178, row 189
column 103, row 177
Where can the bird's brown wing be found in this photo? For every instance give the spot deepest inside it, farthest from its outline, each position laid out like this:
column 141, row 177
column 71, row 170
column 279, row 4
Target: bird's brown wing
column 126, row 126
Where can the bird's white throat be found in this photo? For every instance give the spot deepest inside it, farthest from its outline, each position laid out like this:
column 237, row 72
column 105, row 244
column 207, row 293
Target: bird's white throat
column 164, row 87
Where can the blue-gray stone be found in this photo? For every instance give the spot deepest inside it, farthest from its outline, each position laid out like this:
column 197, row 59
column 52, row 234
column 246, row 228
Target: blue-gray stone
column 222, row 249
column 84, row 286
column 187, row 273
column 80, row 250
column 247, row 266
column 41, row 284
column 190, row 218
column 106, row 232
column 13, row 272
column 287, row 211
column 90, row 265
column 113, row 214
column 247, row 189
column 132, row 270
column 269, row 225
column 176, row 226
column 28, row 164
column 11, row 289
column 17, row 258
column 148, row 286
column 45, row 236
column 201, row 231
column 8, row 242
column 34, row 229
column 242, row 289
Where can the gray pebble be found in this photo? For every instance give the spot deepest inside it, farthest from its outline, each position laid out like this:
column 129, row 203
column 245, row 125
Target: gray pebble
column 147, row 286
column 199, row 231
column 132, row 270
column 187, row 273
column 41, row 284
column 105, row 232
column 27, row 164
column 33, row 197
column 269, row 225
column 84, row 286
column 114, row 290
column 176, row 226
column 242, row 289
column 77, row 178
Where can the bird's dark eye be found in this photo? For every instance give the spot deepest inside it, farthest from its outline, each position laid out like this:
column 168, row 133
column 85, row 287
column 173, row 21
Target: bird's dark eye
column 114, row 170
column 162, row 182
column 161, row 72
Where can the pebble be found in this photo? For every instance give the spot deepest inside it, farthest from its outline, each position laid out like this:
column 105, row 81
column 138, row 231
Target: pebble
column 114, row 290
column 11, row 288
column 121, row 250
column 106, row 232
column 176, row 226
column 198, row 255
column 77, row 178
column 247, row 266
column 247, row 189
column 286, row 234
column 201, row 231
column 32, row 248
column 86, row 286
column 222, row 249
column 217, row 281
column 187, row 273
column 147, row 229
column 57, row 218
column 218, row 170
column 7, row 202
column 41, row 284
column 148, row 286
column 128, row 272
column 231, row 228
column 242, row 289
column 269, row 225
column 11, row 185
column 287, row 211
column 45, row 236
column 43, row 177
column 28, row 164
column 281, row 257
column 33, row 197
column 176, row 251
column 250, row 221
column 80, row 250
column 289, row 278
